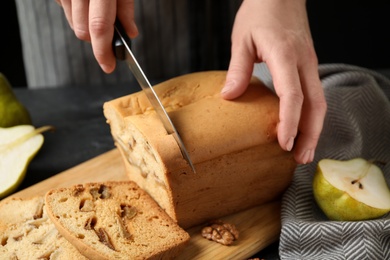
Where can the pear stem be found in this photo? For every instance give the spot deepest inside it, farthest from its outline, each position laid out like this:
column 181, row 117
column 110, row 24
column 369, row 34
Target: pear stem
column 25, row 137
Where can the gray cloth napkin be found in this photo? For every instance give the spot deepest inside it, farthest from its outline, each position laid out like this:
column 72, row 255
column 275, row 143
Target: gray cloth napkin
column 357, row 124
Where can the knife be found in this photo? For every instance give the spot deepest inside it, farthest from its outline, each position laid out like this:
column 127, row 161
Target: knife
column 122, row 51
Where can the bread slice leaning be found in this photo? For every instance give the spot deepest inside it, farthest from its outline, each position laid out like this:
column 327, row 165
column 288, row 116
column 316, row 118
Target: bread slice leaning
column 27, row 233
column 114, row 220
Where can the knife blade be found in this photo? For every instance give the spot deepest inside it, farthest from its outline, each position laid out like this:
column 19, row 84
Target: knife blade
column 121, row 45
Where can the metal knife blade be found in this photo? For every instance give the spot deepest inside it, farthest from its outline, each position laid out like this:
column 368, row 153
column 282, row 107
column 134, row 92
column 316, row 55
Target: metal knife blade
column 123, row 52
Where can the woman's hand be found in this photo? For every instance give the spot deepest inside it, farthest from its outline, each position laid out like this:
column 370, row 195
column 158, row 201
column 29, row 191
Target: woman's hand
column 93, row 21
column 277, row 32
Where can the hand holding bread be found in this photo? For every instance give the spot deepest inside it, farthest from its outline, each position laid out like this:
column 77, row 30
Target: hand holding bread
column 278, row 33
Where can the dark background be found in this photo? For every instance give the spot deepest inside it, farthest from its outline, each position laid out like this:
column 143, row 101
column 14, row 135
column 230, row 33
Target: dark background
column 11, row 61
column 354, row 32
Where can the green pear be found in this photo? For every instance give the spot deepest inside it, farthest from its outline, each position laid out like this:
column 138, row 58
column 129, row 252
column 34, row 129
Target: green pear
column 12, row 112
column 351, row 190
column 18, row 146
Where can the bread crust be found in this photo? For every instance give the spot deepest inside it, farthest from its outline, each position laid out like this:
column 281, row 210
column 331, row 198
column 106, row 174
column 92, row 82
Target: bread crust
column 233, row 145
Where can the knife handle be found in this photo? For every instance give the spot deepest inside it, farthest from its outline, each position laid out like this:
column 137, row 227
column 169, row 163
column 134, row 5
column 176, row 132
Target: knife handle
column 117, row 43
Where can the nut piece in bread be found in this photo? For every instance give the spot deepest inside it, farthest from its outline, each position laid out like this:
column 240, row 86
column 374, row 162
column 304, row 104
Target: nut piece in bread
column 233, row 145
column 27, row 233
column 114, row 220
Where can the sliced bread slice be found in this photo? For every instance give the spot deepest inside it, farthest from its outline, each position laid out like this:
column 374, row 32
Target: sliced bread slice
column 114, row 220
column 26, row 232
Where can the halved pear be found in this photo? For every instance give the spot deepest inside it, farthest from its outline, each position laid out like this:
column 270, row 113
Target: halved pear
column 351, row 190
column 18, row 146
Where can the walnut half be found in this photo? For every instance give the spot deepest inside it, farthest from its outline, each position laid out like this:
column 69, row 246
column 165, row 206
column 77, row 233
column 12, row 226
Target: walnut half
column 221, row 232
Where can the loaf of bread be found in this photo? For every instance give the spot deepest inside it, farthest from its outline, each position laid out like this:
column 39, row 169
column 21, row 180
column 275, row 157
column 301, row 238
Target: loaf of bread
column 114, row 220
column 232, row 144
column 27, row 233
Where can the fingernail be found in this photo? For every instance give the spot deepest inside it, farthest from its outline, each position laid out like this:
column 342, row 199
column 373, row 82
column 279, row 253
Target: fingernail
column 106, row 68
column 306, row 156
column 312, row 155
column 290, row 144
column 229, row 85
column 134, row 29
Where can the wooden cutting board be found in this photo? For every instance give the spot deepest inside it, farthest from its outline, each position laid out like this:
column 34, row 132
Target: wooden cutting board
column 258, row 226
